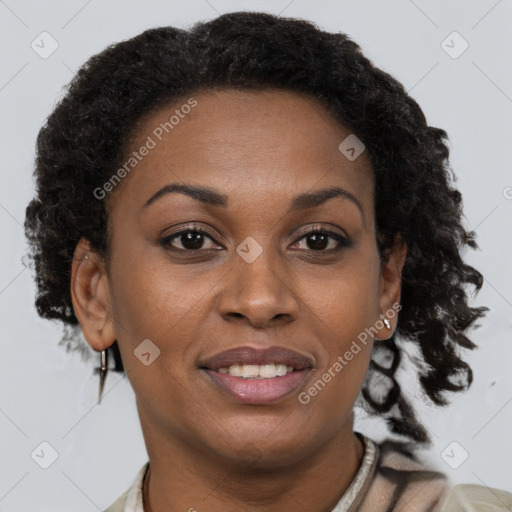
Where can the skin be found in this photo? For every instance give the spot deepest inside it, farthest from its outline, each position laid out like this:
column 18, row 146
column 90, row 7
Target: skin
column 260, row 149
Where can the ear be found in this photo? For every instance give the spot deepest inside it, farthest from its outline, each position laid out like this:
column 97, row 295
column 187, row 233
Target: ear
column 90, row 295
column 390, row 286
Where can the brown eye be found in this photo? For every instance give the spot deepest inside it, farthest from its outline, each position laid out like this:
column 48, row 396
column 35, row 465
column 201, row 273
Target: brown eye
column 188, row 240
column 192, row 240
column 317, row 241
column 321, row 240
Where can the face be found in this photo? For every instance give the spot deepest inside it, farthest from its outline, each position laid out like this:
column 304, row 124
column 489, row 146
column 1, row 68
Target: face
column 261, row 259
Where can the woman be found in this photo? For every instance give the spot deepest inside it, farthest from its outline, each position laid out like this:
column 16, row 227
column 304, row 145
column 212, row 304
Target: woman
column 253, row 219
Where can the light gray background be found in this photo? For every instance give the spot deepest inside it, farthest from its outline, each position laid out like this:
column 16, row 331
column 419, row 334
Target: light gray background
column 49, row 396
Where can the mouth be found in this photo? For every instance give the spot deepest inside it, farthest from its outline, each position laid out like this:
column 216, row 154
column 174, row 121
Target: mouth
column 255, row 376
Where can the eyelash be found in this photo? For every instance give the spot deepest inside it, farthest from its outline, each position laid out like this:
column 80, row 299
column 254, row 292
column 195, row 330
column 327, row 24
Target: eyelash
column 342, row 241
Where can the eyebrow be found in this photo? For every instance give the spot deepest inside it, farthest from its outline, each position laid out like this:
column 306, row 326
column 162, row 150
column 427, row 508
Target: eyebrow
column 211, row 197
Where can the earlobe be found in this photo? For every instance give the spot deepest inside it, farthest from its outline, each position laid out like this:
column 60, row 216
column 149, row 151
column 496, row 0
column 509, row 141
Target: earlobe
column 391, row 284
column 90, row 296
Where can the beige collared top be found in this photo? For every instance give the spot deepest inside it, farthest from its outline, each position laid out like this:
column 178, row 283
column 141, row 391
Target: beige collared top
column 388, row 480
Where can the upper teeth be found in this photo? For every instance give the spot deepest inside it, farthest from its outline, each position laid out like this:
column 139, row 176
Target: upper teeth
column 255, row 371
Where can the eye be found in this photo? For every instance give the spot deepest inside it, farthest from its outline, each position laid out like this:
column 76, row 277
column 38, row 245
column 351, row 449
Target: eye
column 195, row 238
column 322, row 240
column 192, row 238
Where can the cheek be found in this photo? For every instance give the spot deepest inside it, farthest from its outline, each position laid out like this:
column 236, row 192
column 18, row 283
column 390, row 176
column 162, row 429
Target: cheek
column 343, row 309
column 156, row 302
column 342, row 313
column 346, row 302
column 156, row 312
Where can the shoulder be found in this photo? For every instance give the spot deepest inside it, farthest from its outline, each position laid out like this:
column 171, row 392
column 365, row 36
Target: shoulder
column 131, row 499
column 476, row 498
column 119, row 504
column 401, row 482
column 414, row 485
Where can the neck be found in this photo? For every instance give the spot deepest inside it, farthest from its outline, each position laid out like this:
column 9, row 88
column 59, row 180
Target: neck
column 182, row 477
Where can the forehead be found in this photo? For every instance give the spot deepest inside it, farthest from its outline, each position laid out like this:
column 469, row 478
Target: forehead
column 246, row 143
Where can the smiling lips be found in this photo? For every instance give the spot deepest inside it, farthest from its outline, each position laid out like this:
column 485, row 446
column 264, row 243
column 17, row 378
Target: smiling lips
column 255, row 376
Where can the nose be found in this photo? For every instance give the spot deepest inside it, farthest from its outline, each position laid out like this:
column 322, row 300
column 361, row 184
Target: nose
column 259, row 293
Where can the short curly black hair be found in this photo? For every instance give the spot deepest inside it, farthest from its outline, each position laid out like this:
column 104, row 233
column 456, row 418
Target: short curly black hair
column 85, row 137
